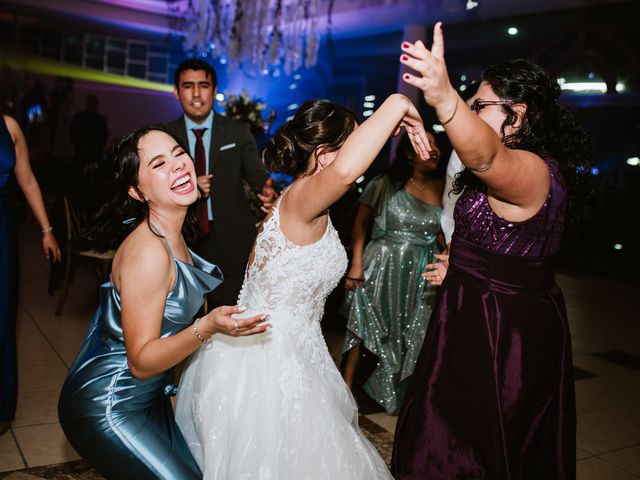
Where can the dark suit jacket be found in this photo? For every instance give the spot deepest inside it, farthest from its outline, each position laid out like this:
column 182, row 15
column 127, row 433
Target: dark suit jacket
column 233, row 155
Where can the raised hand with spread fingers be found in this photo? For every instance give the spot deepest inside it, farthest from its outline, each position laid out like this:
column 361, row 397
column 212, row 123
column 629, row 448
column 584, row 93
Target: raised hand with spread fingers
column 433, row 78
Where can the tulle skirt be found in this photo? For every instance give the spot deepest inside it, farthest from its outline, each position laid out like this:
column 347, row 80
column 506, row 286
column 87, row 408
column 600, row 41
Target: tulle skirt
column 273, row 406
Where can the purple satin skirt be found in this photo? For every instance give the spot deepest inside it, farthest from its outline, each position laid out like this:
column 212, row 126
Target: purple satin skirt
column 492, row 394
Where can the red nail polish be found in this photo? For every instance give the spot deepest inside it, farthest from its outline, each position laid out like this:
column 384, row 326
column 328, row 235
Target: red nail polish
column 405, row 76
column 405, row 45
column 404, row 58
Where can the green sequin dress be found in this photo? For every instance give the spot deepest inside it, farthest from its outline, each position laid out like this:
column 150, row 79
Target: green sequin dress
column 389, row 314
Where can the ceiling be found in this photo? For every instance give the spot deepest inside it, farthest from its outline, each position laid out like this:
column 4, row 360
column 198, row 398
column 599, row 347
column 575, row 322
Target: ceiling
column 349, row 17
column 579, row 37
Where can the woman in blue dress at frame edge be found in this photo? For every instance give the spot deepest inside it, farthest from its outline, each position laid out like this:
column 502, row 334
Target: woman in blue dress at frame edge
column 388, row 304
column 114, row 407
column 14, row 158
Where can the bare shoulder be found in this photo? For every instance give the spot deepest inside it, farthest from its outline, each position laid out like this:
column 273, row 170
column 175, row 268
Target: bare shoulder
column 294, row 227
column 9, row 120
column 143, row 261
column 535, row 169
column 290, row 197
column 12, row 126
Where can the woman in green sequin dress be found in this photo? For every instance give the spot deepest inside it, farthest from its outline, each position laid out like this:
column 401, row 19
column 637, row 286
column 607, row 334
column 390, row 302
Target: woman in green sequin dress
column 388, row 304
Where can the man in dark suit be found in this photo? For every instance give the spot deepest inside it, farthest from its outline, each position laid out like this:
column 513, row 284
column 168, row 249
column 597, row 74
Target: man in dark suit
column 231, row 156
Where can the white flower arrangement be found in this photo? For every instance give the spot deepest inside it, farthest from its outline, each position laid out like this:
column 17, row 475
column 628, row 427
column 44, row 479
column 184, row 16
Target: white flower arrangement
column 243, row 107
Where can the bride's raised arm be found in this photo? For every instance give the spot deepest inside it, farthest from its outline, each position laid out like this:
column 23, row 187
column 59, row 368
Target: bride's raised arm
column 315, row 192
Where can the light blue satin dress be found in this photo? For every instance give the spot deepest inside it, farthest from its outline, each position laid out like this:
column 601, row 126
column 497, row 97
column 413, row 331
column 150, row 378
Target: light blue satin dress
column 123, row 426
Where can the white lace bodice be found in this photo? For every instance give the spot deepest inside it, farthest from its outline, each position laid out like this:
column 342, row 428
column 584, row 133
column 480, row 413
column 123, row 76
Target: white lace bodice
column 292, row 280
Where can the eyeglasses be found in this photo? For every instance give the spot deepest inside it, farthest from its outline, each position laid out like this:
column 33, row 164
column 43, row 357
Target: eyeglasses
column 478, row 105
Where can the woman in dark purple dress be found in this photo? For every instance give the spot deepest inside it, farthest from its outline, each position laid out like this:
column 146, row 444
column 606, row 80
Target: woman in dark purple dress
column 492, row 395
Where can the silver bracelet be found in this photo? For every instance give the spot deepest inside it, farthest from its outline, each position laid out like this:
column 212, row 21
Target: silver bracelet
column 45, row 230
column 198, row 335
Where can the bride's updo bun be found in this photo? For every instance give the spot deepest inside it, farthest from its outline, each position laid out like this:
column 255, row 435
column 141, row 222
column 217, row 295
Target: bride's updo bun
column 318, row 124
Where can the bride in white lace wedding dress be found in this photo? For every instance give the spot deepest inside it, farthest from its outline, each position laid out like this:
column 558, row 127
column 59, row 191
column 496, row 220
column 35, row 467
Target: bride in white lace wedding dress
column 274, row 406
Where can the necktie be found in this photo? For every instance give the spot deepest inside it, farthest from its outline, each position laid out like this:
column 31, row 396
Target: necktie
column 201, row 169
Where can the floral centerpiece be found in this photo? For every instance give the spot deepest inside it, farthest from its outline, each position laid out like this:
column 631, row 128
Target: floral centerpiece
column 243, row 107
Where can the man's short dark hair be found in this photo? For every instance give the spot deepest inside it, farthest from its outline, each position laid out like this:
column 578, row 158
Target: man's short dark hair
column 195, row 64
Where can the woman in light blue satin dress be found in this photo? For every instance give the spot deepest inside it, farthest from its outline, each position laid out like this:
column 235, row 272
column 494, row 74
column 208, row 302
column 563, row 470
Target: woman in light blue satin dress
column 114, row 407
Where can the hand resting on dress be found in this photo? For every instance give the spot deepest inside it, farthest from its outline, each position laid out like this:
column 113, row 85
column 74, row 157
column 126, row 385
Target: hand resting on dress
column 434, row 273
column 222, row 320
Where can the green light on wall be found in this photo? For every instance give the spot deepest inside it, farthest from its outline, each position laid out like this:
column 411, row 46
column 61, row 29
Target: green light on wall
column 49, row 67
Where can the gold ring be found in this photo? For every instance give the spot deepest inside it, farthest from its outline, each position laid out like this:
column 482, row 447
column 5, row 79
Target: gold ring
column 236, row 322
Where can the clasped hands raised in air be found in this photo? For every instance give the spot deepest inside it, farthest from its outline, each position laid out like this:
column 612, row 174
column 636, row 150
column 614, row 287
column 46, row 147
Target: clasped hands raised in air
column 438, row 92
column 412, row 122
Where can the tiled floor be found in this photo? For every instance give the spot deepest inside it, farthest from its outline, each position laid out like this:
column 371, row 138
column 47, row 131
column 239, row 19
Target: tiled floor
column 606, row 340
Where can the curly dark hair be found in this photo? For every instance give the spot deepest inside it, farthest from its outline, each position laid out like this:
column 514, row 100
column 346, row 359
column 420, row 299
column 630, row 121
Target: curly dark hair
column 547, row 130
column 318, row 125
column 122, row 214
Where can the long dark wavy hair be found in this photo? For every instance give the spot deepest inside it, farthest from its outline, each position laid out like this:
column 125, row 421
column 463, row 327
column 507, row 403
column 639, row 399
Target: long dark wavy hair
column 547, row 130
column 319, row 126
column 122, row 214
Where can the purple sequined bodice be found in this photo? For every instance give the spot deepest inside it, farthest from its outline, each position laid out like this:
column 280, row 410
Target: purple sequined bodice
column 539, row 236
